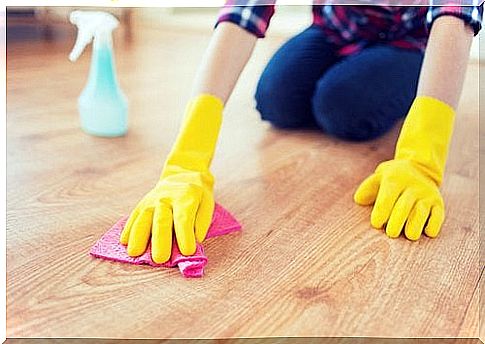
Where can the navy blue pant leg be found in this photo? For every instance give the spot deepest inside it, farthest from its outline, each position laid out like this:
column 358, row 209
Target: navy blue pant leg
column 359, row 97
column 362, row 96
column 287, row 84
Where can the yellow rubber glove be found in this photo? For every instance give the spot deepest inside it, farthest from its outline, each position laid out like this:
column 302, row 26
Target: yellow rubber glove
column 183, row 198
column 405, row 190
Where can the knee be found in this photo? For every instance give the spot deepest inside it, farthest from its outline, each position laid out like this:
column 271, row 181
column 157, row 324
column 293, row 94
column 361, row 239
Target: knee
column 279, row 103
column 349, row 111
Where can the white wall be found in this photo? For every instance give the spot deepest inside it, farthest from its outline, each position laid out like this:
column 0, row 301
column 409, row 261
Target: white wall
column 288, row 20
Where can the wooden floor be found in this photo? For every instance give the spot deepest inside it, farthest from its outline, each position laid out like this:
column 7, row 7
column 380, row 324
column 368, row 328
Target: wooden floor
column 267, row 340
column 307, row 262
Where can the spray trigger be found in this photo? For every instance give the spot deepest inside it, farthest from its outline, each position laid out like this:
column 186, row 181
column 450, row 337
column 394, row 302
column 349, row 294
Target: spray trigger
column 90, row 24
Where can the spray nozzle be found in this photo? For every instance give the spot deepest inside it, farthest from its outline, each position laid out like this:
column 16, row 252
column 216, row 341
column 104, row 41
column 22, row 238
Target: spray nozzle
column 90, row 24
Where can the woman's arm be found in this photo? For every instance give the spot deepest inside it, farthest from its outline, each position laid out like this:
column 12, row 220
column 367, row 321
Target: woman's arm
column 445, row 61
column 225, row 58
column 183, row 198
column 405, row 190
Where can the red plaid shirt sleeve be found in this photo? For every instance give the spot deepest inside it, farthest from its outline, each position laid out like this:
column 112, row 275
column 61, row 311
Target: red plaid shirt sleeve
column 471, row 15
column 252, row 15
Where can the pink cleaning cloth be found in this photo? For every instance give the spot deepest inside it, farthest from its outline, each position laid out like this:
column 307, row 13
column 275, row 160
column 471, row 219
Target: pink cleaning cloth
column 109, row 247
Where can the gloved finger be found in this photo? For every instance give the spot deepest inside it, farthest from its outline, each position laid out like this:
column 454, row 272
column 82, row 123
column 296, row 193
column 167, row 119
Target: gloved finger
column 204, row 216
column 435, row 221
column 125, row 234
column 416, row 220
column 162, row 233
column 367, row 191
column 184, row 221
column 140, row 233
column 400, row 214
column 386, row 198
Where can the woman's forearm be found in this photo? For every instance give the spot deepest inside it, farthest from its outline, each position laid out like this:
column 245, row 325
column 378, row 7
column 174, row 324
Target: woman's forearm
column 225, row 58
column 445, row 61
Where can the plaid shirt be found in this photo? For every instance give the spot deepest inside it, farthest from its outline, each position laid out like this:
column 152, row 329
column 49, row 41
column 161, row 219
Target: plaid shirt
column 352, row 28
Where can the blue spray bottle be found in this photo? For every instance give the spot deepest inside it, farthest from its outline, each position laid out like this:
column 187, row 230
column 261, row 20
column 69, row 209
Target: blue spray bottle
column 103, row 107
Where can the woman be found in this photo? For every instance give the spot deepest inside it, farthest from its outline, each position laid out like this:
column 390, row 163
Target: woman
column 353, row 73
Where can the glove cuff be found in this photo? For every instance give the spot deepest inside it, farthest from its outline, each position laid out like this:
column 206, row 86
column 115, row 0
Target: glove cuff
column 426, row 134
column 196, row 142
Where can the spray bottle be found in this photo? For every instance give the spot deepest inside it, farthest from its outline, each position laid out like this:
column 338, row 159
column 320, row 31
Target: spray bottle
column 102, row 105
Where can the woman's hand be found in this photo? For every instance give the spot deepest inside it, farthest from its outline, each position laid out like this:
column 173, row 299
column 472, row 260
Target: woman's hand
column 404, row 197
column 404, row 190
column 183, row 199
